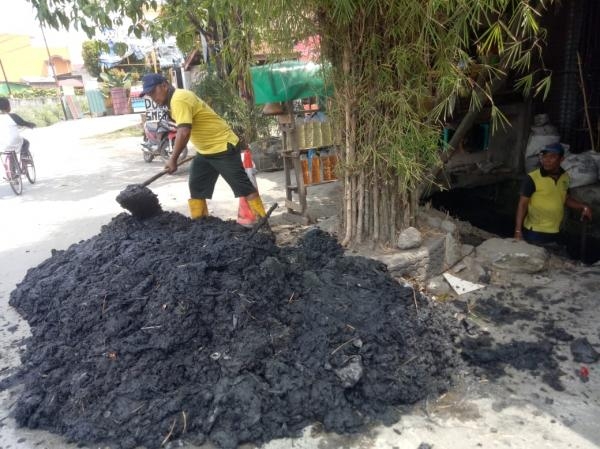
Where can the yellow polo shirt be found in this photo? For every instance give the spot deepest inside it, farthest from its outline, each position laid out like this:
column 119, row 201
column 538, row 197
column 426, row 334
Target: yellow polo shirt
column 547, row 203
column 210, row 134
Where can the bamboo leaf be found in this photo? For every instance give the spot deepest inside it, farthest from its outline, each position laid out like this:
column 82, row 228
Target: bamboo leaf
column 525, row 84
column 543, row 86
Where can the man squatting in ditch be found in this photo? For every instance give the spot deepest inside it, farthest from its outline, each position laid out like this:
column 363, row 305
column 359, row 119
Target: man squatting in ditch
column 218, row 147
column 544, row 194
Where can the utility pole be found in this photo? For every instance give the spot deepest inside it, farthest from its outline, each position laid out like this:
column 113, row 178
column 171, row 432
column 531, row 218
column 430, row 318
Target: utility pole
column 51, row 66
column 5, row 78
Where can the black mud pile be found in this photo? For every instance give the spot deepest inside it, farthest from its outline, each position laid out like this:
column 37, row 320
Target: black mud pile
column 140, row 201
column 167, row 328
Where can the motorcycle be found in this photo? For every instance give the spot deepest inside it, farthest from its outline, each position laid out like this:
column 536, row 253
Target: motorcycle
column 159, row 139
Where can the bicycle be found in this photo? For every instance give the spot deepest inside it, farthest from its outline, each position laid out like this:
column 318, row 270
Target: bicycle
column 17, row 165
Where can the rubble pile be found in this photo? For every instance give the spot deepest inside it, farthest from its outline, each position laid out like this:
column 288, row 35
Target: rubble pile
column 169, row 329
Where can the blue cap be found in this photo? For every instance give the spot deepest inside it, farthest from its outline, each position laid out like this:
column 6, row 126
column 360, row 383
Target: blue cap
column 553, row 148
column 150, row 81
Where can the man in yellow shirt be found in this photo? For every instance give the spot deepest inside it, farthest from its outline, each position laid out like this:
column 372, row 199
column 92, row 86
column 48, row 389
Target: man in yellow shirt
column 217, row 146
column 544, row 195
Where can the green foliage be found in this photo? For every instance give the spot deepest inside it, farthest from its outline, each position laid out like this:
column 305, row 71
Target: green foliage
column 90, row 15
column 47, row 111
column 224, row 99
column 120, row 48
column 116, row 78
column 35, row 93
column 90, row 51
column 48, row 114
column 405, row 81
column 183, row 19
column 43, row 114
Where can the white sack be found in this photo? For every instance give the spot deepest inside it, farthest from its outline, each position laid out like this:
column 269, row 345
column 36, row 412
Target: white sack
column 582, row 169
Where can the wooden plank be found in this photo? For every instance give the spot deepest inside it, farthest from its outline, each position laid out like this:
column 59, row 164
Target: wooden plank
column 293, row 206
column 73, row 107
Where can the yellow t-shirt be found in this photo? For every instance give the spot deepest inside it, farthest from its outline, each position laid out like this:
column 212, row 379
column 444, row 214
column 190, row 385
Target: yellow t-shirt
column 547, row 204
column 210, row 134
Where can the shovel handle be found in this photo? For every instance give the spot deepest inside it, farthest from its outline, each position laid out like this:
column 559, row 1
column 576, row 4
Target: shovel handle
column 262, row 221
column 150, row 180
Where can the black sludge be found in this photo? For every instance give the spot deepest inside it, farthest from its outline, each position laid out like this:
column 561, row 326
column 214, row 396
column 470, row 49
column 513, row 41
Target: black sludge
column 140, row 201
column 168, row 329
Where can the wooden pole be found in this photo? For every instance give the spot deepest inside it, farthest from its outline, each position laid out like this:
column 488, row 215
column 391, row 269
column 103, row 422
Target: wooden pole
column 5, row 78
column 51, row 66
column 585, row 103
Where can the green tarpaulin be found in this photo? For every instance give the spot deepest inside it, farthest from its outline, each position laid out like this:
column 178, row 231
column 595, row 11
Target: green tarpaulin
column 286, row 81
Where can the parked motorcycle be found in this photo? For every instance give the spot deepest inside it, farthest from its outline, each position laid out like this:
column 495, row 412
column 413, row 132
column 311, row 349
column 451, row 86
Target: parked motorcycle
column 159, row 138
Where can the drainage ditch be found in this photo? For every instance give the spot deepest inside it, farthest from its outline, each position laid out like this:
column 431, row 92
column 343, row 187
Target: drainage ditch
column 492, row 208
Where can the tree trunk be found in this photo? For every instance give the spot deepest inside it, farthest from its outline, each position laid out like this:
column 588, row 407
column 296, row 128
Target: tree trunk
column 350, row 121
column 376, row 214
column 361, row 207
column 393, row 212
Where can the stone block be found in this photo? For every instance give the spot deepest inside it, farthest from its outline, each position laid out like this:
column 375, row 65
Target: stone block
column 448, row 226
column 453, row 250
column 512, row 255
column 410, row 238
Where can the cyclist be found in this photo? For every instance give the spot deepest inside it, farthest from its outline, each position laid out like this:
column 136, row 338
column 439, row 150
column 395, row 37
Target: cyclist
column 10, row 138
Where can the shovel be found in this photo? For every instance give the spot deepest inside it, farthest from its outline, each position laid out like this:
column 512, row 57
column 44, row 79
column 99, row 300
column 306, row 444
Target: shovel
column 140, row 200
column 262, row 221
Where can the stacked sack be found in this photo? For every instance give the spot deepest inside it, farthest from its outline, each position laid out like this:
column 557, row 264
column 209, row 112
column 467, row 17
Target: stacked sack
column 583, row 168
column 542, row 133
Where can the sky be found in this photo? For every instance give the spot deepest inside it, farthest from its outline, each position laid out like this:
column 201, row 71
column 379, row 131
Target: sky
column 20, row 19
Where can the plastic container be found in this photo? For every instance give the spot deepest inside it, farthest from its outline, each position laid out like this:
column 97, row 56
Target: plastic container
column 315, row 167
column 300, row 131
column 304, row 167
column 332, row 164
column 317, row 136
column 326, row 164
column 326, row 136
column 308, row 135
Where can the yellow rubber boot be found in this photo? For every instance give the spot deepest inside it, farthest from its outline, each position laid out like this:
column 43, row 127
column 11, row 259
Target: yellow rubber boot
column 198, row 208
column 256, row 206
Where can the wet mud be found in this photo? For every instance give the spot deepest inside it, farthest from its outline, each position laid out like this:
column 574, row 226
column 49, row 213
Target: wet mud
column 583, row 351
column 536, row 351
column 492, row 358
column 166, row 329
column 140, row 201
column 495, row 310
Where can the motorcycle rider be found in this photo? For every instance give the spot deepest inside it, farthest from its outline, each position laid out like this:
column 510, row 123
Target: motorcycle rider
column 217, row 146
column 159, row 137
column 10, row 138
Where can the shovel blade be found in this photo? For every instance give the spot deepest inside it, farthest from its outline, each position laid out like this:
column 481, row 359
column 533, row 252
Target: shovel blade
column 140, row 201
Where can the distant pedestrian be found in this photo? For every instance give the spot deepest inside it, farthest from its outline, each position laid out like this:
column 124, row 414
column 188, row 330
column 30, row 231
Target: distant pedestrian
column 544, row 195
column 10, row 138
column 218, row 147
